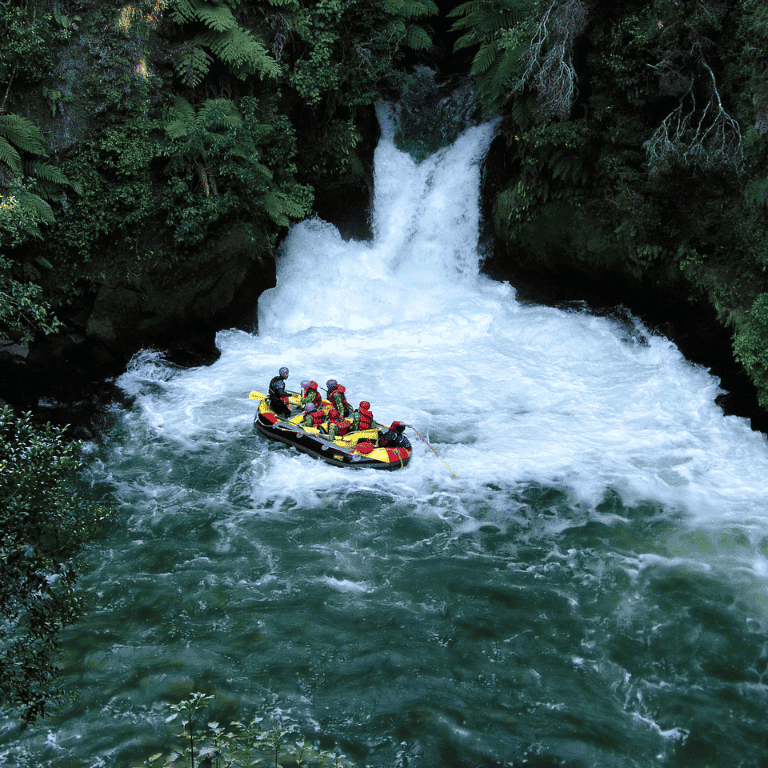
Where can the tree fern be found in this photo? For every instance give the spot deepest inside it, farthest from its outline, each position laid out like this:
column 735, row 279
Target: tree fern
column 484, row 19
column 500, row 62
column 238, row 48
column 41, row 209
column 45, row 172
column 184, row 10
column 33, row 182
column 218, row 114
column 179, row 119
column 411, row 9
column 242, row 51
column 21, row 134
column 417, row 38
column 281, row 208
column 10, row 158
column 216, row 17
column 193, row 65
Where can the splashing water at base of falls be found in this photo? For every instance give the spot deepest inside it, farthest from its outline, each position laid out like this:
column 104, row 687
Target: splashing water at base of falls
column 588, row 590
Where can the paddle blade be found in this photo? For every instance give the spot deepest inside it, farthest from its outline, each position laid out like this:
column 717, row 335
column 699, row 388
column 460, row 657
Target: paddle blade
column 257, row 396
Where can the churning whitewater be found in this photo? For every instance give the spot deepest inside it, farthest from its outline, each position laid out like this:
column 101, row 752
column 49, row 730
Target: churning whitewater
column 579, row 579
column 506, row 393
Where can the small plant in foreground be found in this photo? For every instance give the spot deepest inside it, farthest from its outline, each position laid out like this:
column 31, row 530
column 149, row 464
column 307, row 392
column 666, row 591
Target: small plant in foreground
column 241, row 745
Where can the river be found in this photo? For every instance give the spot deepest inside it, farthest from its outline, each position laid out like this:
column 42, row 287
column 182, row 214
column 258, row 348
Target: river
column 578, row 579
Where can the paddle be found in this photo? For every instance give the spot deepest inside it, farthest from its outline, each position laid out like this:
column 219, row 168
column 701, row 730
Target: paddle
column 432, row 449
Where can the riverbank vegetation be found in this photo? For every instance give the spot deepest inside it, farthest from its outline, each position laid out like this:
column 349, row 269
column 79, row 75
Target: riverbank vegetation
column 45, row 520
column 206, row 742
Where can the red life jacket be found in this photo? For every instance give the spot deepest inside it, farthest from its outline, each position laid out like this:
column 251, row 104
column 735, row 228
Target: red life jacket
column 366, row 418
column 318, row 417
column 341, row 423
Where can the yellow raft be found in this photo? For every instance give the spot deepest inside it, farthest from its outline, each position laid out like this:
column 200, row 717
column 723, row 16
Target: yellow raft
column 356, row 449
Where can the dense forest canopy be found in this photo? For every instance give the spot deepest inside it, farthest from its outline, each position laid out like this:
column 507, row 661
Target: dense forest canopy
column 153, row 153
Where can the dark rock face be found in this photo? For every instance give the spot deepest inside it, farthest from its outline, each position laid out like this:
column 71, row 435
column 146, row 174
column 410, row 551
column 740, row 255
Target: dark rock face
column 65, row 378
column 168, row 305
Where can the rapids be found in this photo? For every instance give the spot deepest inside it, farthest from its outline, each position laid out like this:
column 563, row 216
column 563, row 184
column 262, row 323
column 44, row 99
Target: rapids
column 588, row 589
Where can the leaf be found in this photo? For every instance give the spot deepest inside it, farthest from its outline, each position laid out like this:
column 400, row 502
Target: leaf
column 45, row 172
column 417, row 38
column 9, row 156
column 23, row 133
column 193, row 65
column 219, row 113
column 218, row 18
column 242, row 51
column 37, row 205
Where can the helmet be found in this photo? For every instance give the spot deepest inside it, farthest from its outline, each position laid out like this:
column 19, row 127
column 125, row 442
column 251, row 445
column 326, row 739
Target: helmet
column 365, row 404
column 305, row 384
column 283, row 372
column 279, row 384
column 397, row 426
column 309, row 407
column 331, row 383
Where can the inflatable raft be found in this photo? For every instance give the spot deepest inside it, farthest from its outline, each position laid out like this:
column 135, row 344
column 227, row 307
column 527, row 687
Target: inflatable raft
column 356, row 449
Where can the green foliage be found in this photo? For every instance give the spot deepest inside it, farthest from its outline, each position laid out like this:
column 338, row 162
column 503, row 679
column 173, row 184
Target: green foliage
column 28, row 47
column 501, row 30
column 114, row 174
column 750, row 346
column 45, row 520
column 17, row 135
column 241, row 745
column 242, row 51
column 554, row 170
column 225, row 164
column 23, row 308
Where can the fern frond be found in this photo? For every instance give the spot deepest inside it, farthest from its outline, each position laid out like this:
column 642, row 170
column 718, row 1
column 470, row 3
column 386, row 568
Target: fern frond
column 46, row 190
column 281, row 207
column 465, row 8
column 179, row 119
column 45, row 172
column 36, row 204
column 23, row 133
column 411, row 9
column 216, row 17
column 176, row 129
column 524, row 110
column 510, row 67
column 242, row 51
column 10, row 157
column 184, row 10
column 417, row 38
column 193, row 65
column 485, row 58
column 219, row 113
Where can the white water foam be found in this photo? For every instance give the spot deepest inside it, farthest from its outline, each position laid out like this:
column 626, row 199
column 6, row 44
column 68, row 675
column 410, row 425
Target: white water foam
column 506, row 393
